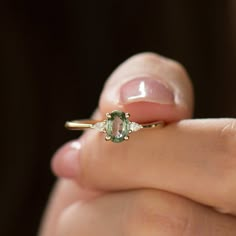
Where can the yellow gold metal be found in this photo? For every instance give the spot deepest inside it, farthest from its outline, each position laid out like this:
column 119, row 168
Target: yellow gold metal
column 79, row 124
column 154, row 124
column 127, row 115
column 85, row 124
column 108, row 115
column 116, row 126
column 108, row 138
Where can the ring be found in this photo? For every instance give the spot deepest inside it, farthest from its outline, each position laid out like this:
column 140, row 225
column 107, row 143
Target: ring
column 116, row 126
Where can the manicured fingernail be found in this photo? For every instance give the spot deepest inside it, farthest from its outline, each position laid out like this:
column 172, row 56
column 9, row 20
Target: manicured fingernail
column 66, row 160
column 145, row 89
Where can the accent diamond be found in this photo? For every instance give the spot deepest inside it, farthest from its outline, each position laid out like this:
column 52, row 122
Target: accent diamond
column 100, row 126
column 135, row 126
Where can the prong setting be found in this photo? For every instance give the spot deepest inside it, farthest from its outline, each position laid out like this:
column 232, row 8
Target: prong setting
column 116, row 126
column 108, row 138
column 108, row 115
column 127, row 115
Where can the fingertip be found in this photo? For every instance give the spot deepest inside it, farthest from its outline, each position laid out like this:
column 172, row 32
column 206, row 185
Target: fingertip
column 66, row 160
column 150, row 88
column 145, row 112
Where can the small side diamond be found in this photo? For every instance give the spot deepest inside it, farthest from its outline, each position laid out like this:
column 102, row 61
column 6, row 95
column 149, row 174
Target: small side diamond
column 100, row 126
column 135, row 126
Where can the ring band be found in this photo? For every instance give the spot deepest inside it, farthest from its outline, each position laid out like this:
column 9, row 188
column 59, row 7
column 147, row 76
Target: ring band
column 116, row 126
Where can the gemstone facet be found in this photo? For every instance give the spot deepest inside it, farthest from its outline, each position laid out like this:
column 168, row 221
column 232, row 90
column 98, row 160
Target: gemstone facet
column 100, row 126
column 135, row 126
column 117, row 126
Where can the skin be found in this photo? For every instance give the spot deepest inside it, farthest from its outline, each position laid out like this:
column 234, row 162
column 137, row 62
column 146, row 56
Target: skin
column 178, row 180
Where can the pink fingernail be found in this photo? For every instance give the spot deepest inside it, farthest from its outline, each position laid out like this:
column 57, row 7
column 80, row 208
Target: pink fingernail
column 145, row 89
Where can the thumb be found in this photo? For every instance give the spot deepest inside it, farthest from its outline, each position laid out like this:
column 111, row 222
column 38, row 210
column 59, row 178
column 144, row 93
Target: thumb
column 150, row 88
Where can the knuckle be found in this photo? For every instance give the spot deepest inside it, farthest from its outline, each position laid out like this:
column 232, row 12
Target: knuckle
column 228, row 131
column 227, row 139
column 145, row 217
column 227, row 186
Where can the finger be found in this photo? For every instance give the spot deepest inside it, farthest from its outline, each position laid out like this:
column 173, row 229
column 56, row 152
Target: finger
column 143, row 212
column 64, row 194
column 148, row 86
column 165, row 94
column 193, row 158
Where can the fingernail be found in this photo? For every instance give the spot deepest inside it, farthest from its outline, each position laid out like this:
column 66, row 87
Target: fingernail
column 145, row 89
column 66, row 160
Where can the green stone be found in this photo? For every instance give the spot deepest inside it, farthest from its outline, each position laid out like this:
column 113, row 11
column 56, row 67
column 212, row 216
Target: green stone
column 117, row 126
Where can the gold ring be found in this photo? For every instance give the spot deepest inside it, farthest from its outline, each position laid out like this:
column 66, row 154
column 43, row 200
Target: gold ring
column 116, row 126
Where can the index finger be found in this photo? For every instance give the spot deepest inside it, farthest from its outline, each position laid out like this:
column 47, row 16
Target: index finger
column 192, row 158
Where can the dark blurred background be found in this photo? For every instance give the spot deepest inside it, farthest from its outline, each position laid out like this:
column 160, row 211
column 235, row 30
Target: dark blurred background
column 55, row 57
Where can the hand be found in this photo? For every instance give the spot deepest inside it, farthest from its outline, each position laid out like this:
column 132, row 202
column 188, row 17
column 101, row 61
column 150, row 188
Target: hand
column 172, row 179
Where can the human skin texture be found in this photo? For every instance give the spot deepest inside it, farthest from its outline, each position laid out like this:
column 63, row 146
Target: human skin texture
column 176, row 180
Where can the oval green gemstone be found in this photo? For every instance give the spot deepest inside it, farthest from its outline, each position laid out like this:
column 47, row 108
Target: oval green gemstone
column 117, row 126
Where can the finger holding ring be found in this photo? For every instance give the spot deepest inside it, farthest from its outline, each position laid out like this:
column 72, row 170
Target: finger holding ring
column 116, row 126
